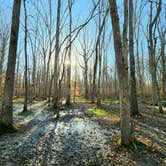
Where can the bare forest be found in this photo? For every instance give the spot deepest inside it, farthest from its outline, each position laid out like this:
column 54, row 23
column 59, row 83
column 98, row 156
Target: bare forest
column 82, row 82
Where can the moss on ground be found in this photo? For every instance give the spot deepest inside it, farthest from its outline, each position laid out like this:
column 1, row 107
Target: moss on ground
column 27, row 113
column 106, row 102
column 97, row 112
column 116, row 101
column 8, row 129
column 111, row 101
column 18, row 100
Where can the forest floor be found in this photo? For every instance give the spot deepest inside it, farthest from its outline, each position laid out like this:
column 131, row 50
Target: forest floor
column 84, row 135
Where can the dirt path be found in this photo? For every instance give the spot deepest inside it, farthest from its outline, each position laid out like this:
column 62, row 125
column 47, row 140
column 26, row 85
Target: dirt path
column 74, row 140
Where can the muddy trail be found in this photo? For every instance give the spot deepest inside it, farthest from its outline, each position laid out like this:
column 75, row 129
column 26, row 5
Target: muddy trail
column 75, row 139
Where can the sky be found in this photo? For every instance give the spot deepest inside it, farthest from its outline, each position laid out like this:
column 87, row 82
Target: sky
column 81, row 10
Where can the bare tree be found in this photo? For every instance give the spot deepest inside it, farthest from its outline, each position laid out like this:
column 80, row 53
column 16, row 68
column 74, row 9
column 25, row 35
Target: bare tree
column 57, row 50
column 34, row 58
column 68, row 100
column 151, row 48
column 122, row 70
column 4, row 37
column 17, row 76
column 162, row 36
column 133, row 93
column 137, row 22
column 50, row 44
column 125, row 32
column 75, row 84
column 26, row 60
column 86, row 53
column 97, row 55
column 6, row 114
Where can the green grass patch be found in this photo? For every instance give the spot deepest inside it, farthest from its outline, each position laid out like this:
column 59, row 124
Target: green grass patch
column 115, row 101
column 97, row 112
column 111, row 101
column 80, row 100
column 18, row 100
column 106, row 101
column 27, row 113
column 8, row 129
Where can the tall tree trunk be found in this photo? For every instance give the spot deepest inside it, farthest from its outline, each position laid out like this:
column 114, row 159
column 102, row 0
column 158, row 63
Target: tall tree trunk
column 75, row 84
column 90, row 83
column 116, row 82
column 17, row 76
column 139, row 70
column 125, row 32
column 34, row 57
column 142, row 74
column 133, row 93
column 163, row 71
column 152, row 63
column 162, row 35
column 2, row 56
column 44, row 73
column 29, row 89
column 34, row 75
column 4, row 36
column 97, row 56
column 6, row 115
column 86, row 78
column 122, row 70
column 26, row 61
column 50, row 48
column 57, row 50
column 50, row 87
column 140, row 80
column 68, row 100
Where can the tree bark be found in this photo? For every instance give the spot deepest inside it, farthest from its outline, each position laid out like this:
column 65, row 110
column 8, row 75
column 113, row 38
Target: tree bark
column 57, row 50
column 68, row 100
column 26, row 61
column 125, row 32
column 122, row 70
column 163, row 71
column 17, row 76
column 6, row 115
column 162, row 35
column 50, row 48
column 152, row 63
column 133, row 93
